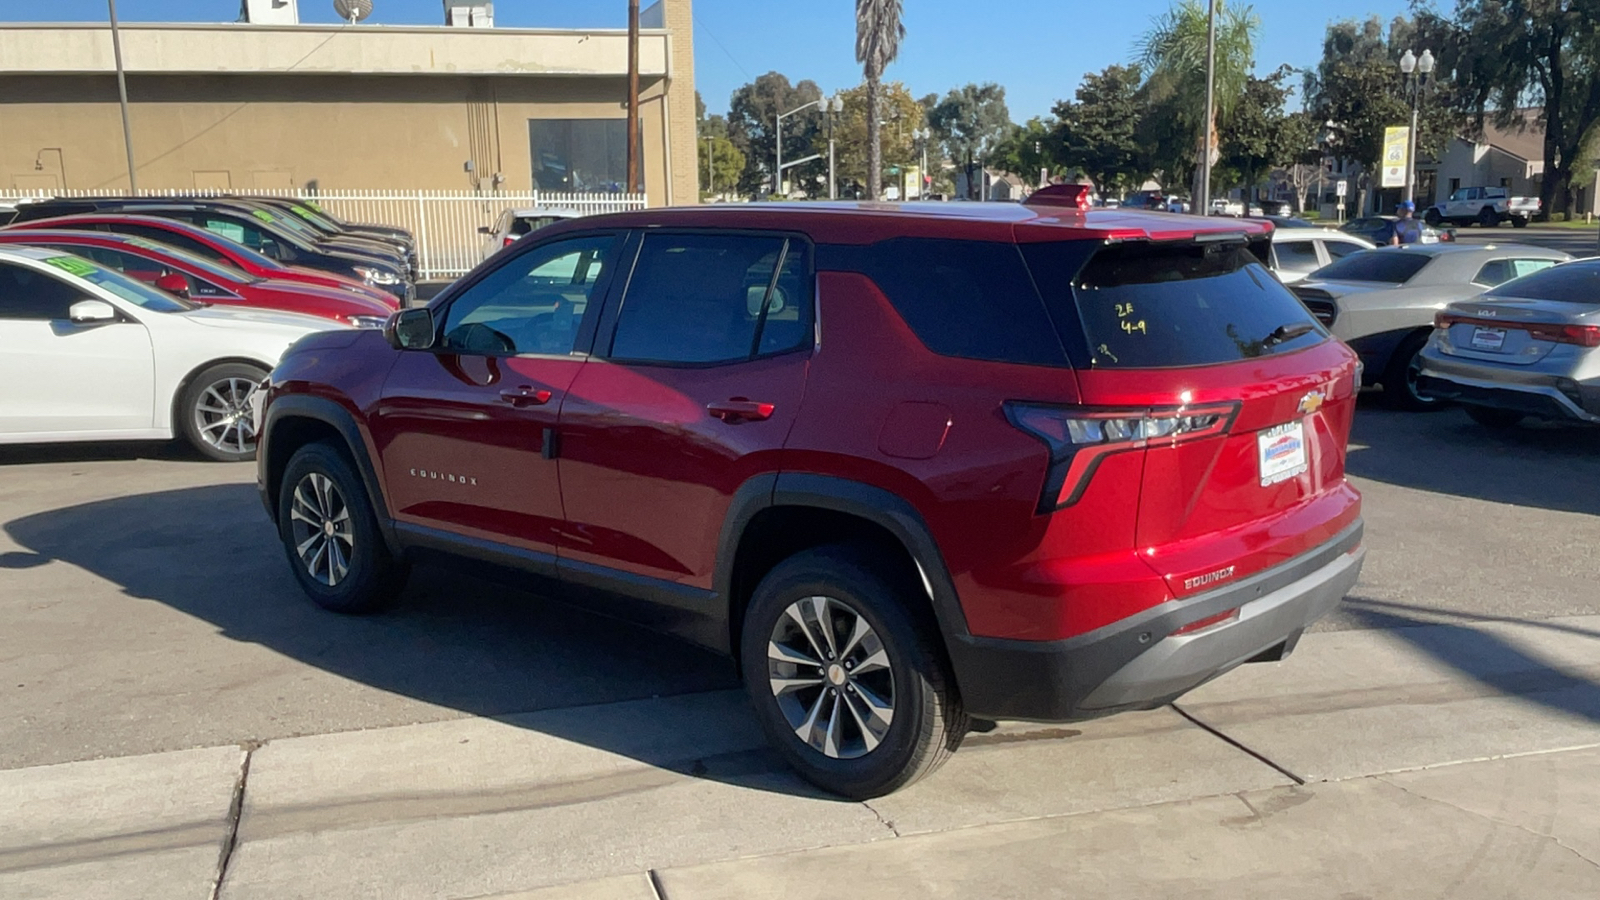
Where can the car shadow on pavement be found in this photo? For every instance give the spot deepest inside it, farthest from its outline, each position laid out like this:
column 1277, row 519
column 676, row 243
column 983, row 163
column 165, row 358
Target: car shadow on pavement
column 35, row 454
column 1541, row 465
column 1489, row 658
column 453, row 640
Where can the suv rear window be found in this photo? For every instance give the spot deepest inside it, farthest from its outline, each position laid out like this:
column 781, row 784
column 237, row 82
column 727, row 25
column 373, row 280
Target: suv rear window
column 1570, row 283
column 1147, row 306
column 1391, row 267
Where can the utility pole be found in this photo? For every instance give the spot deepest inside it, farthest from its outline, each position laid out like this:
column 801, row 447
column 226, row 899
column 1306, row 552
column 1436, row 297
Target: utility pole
column 122, row 93
column 633, row 97
column 1203, row 207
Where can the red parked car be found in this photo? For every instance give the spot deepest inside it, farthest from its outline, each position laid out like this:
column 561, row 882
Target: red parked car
column 187, row 275
column 209, row 245
column 912, row 466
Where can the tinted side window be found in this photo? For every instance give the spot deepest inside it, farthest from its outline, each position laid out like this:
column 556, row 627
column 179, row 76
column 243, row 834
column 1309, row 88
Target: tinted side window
column 711, row 298
column 971, row 299
column 1570, row 283
column 1297, row 256
column 1495, row 271
column 1382, row 266
column 1340, row 249
column 533, row 303
column 28, row 294
column 170, row 238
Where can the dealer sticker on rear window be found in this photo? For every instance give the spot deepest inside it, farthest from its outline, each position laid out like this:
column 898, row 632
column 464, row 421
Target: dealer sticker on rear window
column 1282, row 451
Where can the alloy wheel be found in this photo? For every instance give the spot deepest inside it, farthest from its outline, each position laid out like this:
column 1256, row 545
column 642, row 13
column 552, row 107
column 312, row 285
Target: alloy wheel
column 831, row 677
column 320, row 524
column 222, row 416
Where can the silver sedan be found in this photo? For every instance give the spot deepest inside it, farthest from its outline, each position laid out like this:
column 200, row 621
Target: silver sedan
column 1382, row 302
column 1530, row 347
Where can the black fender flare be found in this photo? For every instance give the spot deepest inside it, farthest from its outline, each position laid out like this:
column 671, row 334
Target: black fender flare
column 328, row 412
column 871, row 503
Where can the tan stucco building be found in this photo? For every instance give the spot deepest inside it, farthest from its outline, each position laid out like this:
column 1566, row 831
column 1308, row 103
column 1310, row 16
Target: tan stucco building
column 238, row 106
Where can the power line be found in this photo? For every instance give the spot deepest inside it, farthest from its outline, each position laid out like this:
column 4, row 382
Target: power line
column 698, row 24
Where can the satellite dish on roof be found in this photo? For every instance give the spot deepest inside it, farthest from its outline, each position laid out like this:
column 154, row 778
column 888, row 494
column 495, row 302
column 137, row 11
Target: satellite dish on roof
column 352, row 11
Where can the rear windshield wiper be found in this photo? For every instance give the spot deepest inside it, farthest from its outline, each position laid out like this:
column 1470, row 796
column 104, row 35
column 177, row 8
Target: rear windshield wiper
column 1287, row 333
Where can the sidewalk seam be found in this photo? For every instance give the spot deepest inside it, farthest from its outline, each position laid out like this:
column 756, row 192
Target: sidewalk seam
column 1488, row 818
column 1261, row 757
column 235, row 812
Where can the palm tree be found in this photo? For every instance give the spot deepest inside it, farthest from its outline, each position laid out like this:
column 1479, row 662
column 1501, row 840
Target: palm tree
column 1173, row 51
column 878, row 36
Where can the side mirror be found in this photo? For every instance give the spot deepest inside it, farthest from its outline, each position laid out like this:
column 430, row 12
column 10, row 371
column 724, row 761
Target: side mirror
column 174, row 283
column 92, row 312
column 410, row 329
column 485, row 229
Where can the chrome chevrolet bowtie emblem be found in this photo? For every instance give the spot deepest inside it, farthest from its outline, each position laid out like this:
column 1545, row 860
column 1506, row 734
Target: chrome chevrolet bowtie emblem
column 1311, row 402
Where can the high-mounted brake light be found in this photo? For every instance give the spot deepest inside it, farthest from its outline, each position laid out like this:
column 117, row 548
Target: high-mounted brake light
column 1074, row 196
column 1080, row 437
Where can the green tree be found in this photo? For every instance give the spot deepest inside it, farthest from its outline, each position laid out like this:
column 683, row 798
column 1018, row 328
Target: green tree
column 1299, row 155
column 1358, row 88
column 1173, row 54
column 901, row 115
column 1097, row 131
column 1254, row 133
column 969, row 123
column 752, row 127
column 1512, row 54
column 1028, row 149
column 878, row 36
column 721, row 165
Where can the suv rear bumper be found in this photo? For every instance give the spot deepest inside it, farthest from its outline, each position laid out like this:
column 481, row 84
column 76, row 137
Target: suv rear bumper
column 1139, row 663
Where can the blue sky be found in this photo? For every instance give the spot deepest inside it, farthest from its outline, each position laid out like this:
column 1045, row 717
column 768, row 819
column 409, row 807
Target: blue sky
column 1037, row 49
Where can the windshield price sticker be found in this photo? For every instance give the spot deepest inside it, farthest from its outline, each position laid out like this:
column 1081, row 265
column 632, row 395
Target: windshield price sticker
column 1282, row 452
column 72, row 264
column 262, row 214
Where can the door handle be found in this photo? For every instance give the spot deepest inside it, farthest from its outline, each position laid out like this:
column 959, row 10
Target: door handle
column 525, row 395
column 739, row 409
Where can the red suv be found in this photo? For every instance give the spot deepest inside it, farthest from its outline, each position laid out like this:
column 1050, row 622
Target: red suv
column 910, row 465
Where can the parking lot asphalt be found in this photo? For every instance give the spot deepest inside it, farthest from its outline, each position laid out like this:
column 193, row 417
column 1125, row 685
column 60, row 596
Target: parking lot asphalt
column 479, row 740
column 1577, row 241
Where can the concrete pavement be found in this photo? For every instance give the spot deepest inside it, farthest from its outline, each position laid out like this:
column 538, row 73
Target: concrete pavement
column 1458, row 759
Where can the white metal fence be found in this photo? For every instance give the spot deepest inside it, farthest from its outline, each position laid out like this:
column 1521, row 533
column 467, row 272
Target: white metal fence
column 444, row 223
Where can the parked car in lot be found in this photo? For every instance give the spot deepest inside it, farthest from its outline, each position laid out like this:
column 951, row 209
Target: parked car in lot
column 369, row 228
column 180, row 272
column 910, row 465
column 327, row 236
column 1297, row 252
column 89, row 354
column 1382, row 302
column 1222, row 206
column 1530, row 347
column 1486, row 206
column 212, row 247
column 513, row 224
column 399, row 238
column 1376, row 230
column 260, row 233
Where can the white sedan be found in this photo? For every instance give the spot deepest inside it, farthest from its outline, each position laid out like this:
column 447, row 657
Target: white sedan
column 89, row 354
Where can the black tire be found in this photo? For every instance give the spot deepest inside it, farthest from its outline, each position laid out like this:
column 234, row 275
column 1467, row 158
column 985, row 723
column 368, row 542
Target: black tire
column 372, row 576
column 927, row 721
column 1400, row 378
column 1488, row 218
column 214, row 413
column 1519, row 221
column 1498, row 419
column 1432, row 218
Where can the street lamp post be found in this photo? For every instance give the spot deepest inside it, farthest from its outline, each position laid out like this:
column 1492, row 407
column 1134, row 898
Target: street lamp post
column 1416, row 70
column 921, row 135
column 711, row 176
column 1203, row 195
column 777, row 173
column 834, row 106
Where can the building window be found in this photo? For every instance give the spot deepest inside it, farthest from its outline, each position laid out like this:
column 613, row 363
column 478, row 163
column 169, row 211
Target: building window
column 1455, row 185
column 579, row 155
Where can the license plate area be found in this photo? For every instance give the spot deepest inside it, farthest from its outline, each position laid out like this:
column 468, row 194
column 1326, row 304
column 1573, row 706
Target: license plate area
column 1281, row 452
column 1492, row 340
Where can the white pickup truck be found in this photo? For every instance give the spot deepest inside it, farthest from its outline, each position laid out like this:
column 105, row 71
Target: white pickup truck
column 1487, row 206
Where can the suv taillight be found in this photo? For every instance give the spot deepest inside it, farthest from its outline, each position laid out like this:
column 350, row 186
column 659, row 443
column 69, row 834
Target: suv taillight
column 1080, row 437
